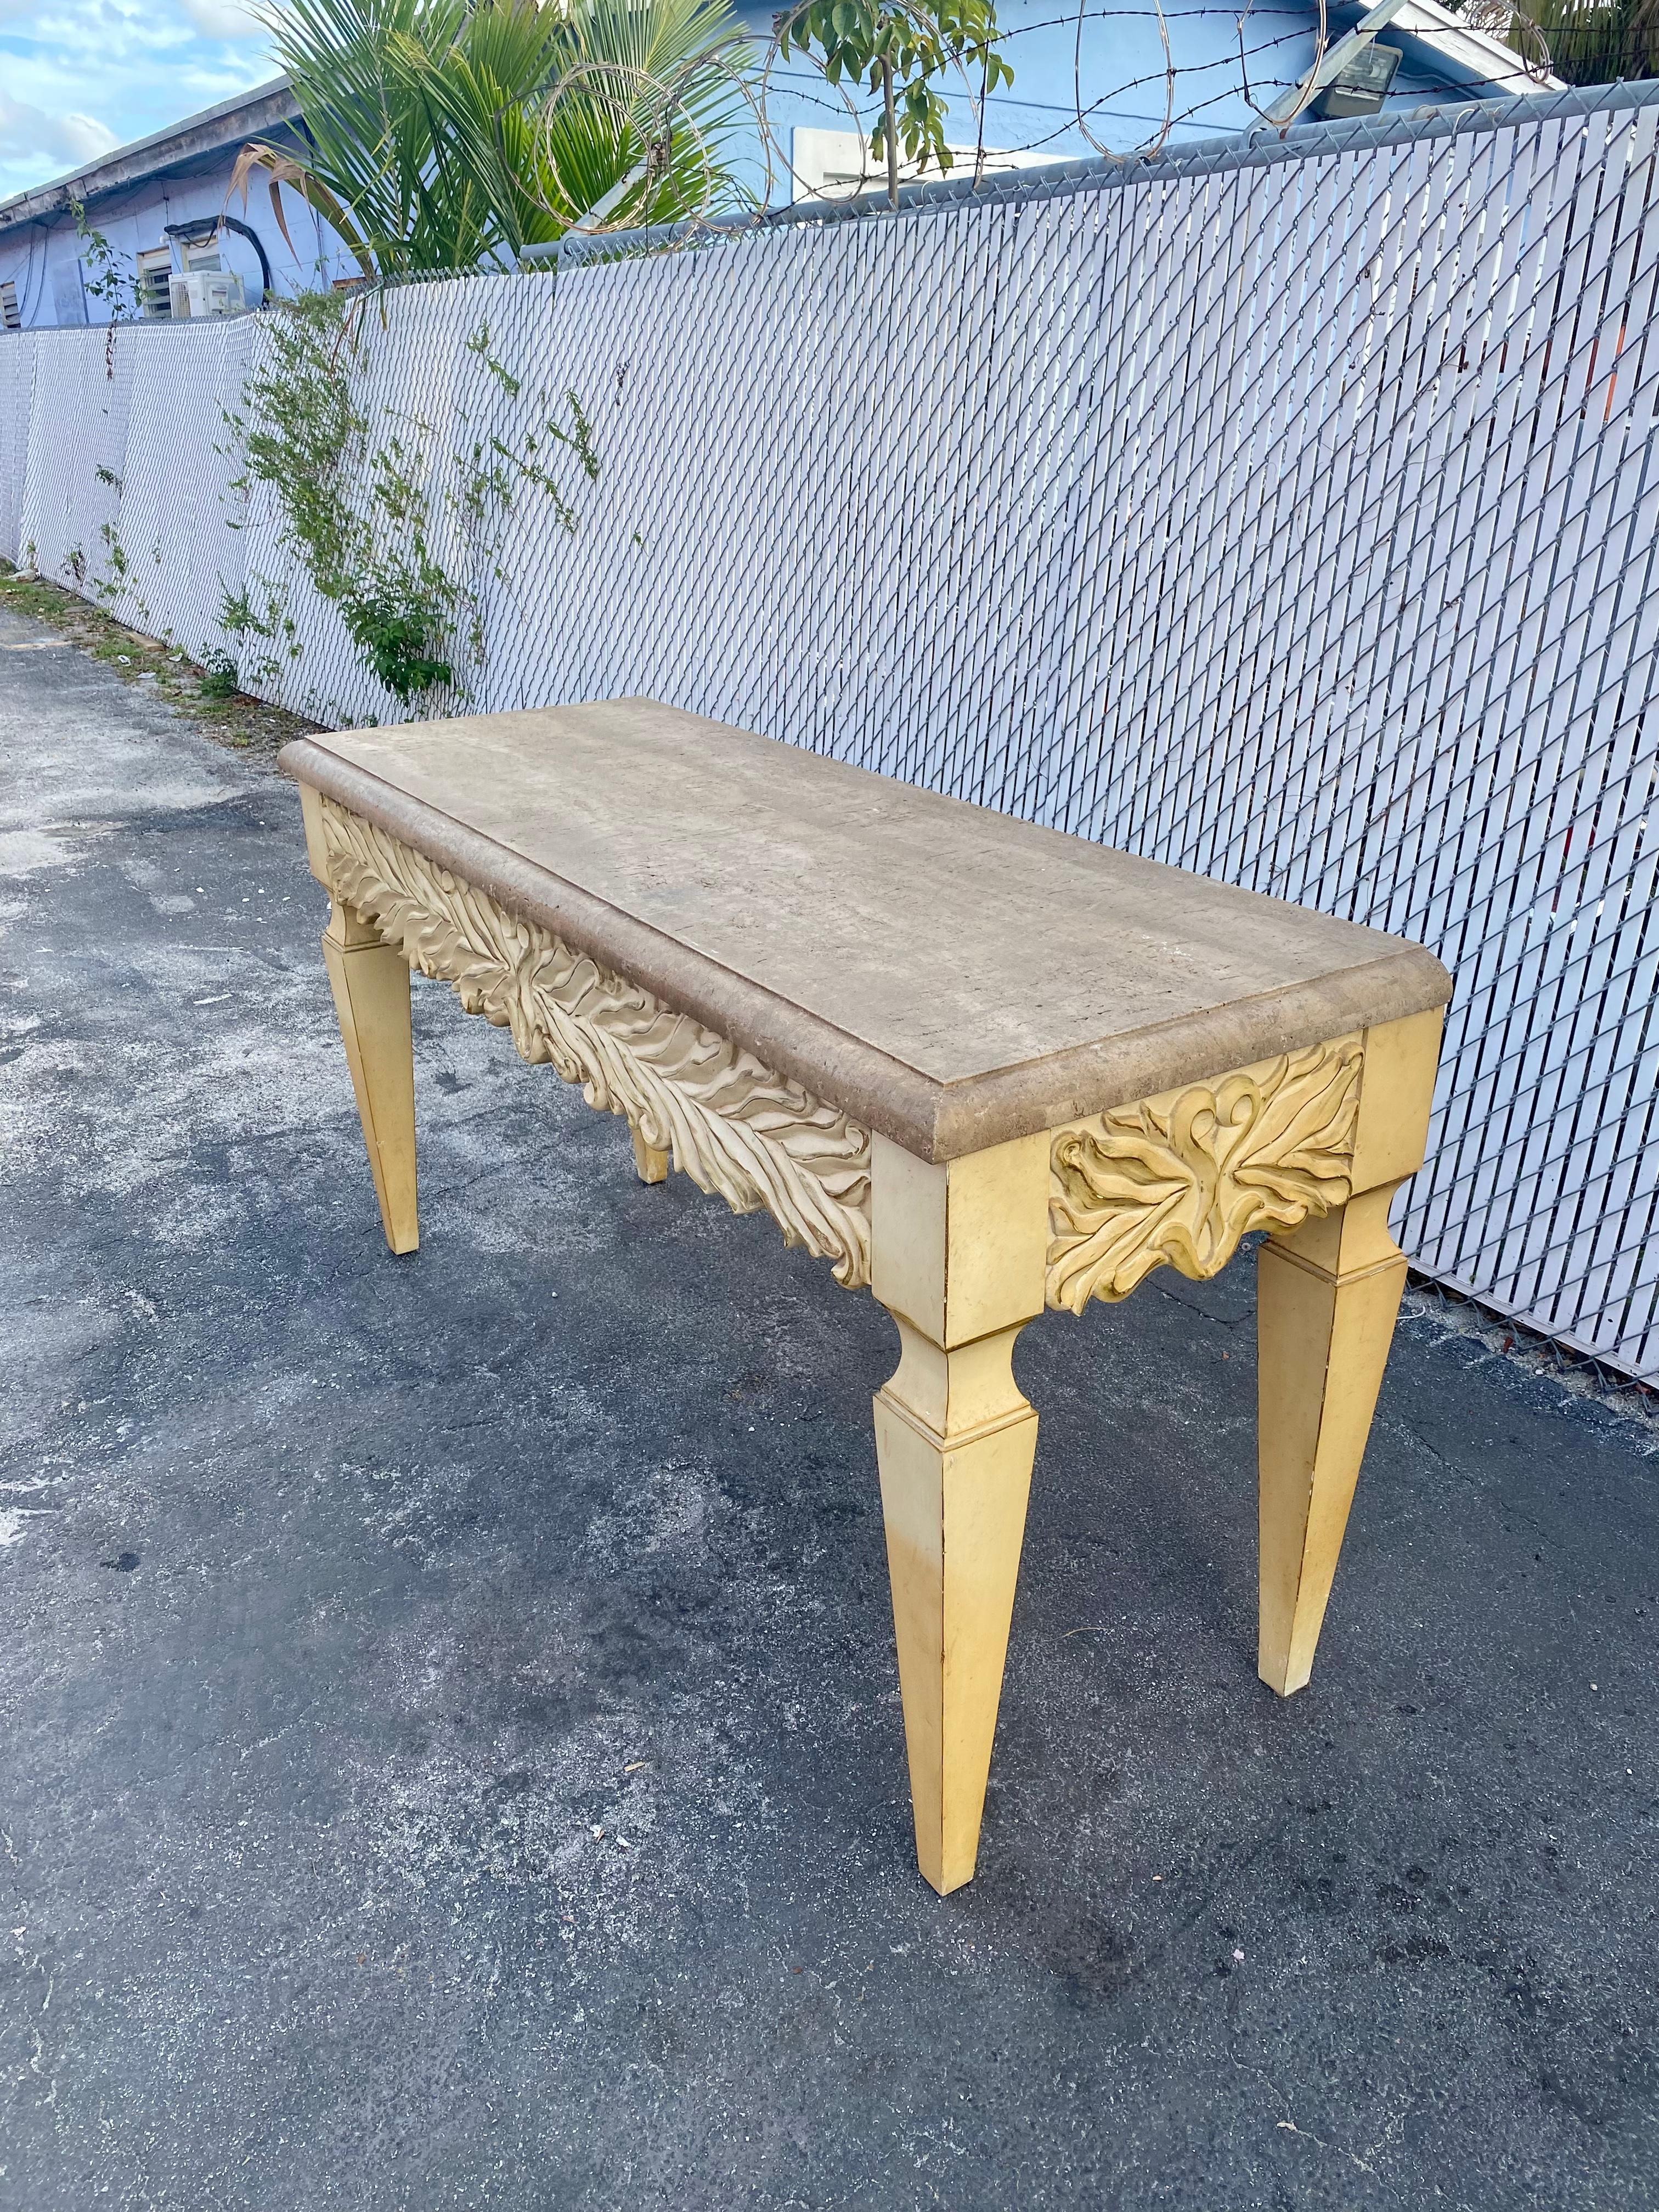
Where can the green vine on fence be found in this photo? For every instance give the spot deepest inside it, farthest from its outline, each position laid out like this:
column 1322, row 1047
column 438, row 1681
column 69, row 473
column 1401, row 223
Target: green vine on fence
column 270, row 622
column 105, row 276
column 360, row 510
column 113, row 583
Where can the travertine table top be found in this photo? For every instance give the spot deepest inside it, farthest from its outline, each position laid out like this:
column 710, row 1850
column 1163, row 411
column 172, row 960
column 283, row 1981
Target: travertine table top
column 951, row 976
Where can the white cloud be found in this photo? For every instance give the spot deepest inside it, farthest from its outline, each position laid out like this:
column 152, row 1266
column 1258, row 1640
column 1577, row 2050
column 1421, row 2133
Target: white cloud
column 84, row 135
column 80, row 73
column 29, row 134
column 222, row 19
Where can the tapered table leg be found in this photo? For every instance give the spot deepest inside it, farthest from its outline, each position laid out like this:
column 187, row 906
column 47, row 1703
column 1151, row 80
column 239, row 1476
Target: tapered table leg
column 958, row 1261
column 370, row 980
column 649, row 1164
column 1327, row 1294
column 1327, row 1299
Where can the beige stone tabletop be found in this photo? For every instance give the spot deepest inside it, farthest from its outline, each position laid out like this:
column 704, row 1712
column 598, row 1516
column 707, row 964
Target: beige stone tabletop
column 950, row 975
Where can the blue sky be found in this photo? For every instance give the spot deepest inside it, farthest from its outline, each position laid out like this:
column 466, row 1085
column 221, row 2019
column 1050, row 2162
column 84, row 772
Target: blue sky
column 80, row 75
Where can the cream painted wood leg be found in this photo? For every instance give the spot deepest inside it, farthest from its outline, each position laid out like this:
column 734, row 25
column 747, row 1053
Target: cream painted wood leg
column 1327, row 1293
column 649, row 1164
column 1326, row 1297
column 371, row 996
column 957, row 1259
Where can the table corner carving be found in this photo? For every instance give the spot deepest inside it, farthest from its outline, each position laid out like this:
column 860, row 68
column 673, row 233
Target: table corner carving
column 741, row 1131
column 1179, row 1179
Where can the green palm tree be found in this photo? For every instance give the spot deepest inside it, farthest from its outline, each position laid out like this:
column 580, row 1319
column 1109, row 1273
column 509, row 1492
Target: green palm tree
column 442, row 134
column 1586, row 41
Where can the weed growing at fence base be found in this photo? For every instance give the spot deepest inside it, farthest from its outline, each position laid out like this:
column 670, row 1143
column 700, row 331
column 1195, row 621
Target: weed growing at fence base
column 218, row 679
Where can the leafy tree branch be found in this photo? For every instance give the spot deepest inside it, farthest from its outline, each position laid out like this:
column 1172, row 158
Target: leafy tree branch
column 900, row 52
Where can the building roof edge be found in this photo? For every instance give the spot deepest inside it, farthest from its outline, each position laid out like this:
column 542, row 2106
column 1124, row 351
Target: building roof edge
column 241, row 115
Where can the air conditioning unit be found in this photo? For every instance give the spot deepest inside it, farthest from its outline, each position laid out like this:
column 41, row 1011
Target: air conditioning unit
column 205, row 292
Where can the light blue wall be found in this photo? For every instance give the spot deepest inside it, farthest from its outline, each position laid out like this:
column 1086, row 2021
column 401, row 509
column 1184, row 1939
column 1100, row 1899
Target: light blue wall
column 1117, row 76
column 1120, row 73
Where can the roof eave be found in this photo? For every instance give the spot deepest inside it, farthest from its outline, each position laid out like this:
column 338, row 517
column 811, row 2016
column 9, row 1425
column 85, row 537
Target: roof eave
column 215, row 129
column 1474, row 57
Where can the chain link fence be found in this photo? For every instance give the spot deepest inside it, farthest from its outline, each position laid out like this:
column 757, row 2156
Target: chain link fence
column 1282, row 509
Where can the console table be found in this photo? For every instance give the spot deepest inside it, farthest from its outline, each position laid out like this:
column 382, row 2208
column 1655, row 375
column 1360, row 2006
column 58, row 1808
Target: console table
column 982, row 1068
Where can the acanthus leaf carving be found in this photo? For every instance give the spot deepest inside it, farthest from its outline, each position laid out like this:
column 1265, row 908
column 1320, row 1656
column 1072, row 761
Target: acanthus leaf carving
column 757, row 1138
column 1179, row 1179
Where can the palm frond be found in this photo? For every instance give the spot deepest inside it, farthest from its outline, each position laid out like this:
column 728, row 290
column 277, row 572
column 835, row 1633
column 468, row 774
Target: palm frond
column 450, row 136
column 1586, row 41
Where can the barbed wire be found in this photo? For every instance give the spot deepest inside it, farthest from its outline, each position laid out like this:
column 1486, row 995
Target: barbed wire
column 1255, row 76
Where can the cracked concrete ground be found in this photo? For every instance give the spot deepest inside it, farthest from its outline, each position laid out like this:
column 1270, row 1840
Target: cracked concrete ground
column 451, row 1746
